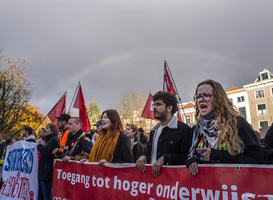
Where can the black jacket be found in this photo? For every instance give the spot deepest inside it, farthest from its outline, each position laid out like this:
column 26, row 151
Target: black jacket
column 173, row 144
column 123, row 152
column 269, row 137
column 83, row 145
column 45, row 172
column 252, row 153
column 138, row 150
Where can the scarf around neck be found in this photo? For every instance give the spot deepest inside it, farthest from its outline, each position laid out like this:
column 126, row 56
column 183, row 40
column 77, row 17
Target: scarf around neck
column 206, row 129
column 104, row 147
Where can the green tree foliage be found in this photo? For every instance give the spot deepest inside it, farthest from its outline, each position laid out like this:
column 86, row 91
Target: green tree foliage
column 15, row 92
column 94, row 112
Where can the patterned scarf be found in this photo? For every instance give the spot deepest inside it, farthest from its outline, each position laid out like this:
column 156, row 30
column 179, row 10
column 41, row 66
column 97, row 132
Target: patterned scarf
column 104, row 147
column 205, row 129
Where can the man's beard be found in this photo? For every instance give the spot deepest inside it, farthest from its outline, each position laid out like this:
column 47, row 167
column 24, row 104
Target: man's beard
column 162, row 116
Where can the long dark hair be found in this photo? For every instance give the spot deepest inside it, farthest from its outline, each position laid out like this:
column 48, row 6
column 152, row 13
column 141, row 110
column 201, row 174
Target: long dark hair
column 116, row 124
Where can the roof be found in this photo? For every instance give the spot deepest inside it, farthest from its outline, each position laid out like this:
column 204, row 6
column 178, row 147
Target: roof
column 188, row 105
column 264, row 71
column 233, row 88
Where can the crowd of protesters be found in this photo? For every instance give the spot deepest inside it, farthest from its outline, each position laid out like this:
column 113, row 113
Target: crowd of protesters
column 220, row 135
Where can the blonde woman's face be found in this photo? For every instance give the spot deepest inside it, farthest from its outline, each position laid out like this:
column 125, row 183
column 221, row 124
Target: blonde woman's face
column 204, row 99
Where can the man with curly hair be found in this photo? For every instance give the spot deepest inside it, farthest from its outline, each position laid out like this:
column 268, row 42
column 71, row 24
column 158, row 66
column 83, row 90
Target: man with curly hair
column 170, row 139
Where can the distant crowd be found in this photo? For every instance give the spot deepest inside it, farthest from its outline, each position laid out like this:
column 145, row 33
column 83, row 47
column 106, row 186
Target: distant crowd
column 220, row 135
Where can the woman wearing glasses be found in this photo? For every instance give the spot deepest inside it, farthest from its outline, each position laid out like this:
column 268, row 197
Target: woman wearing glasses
column 221, row 135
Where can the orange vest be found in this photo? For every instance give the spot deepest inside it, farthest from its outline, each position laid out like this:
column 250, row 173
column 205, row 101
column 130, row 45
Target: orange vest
column 63, row 140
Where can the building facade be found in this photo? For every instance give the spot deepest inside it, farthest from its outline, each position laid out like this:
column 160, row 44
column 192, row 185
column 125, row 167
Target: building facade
column 260, row 95
column 239, row 98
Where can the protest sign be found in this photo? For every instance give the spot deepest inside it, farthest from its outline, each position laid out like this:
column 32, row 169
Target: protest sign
column 20, row 172
column 73, row 180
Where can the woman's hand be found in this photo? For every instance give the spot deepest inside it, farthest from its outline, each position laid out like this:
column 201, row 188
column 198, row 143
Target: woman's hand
column 206, row 152
column 83, row 160
column 193, row 168
column 101, row 162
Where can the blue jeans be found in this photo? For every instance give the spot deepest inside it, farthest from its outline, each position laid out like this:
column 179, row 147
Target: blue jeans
column 47, row 189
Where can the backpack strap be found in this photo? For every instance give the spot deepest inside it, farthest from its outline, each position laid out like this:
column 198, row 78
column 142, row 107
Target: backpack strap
column 76, row 143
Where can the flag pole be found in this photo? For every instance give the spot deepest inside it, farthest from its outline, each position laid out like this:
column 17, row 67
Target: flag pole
column 179, row 98
column 73, row 97
column 49, row 112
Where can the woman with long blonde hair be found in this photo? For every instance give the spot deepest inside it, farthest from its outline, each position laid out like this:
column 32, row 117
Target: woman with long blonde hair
column 220, row 134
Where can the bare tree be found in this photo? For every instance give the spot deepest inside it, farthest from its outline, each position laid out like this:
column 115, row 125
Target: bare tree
column 130, row 107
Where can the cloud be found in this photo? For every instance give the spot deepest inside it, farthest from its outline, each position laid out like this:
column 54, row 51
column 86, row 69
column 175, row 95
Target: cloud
column 114, row 47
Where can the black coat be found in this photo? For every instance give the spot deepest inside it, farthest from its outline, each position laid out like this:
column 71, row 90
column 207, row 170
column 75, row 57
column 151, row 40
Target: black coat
column 45, row 172
column 269, row 137
column 84, row 145
column 123, row 150
column 252, row 152
column 173, row 144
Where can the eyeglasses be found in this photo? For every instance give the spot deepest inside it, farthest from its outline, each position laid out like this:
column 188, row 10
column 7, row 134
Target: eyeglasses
column 204, row 96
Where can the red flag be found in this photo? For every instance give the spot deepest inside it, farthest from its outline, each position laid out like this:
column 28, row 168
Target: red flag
column 168, row 87
column 178, row 115
column 57, row 110
column 167, row 83
column 148, row 109
column 80, row 104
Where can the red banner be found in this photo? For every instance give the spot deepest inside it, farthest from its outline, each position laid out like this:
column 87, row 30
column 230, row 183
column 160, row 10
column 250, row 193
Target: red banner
column 73, row 180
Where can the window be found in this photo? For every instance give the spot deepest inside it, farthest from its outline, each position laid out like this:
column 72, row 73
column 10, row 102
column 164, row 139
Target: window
column 240, row 99
column 263, row 124
column 264, row 76
column 187, row 119
column 271, row 91
column 243, row 111
column 259, row 94
column 261, row 109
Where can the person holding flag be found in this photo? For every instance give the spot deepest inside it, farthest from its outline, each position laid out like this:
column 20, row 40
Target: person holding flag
column 170, row 139
column 62, row 125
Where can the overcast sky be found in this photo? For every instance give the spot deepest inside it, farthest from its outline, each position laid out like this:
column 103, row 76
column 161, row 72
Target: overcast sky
column 117, row 46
